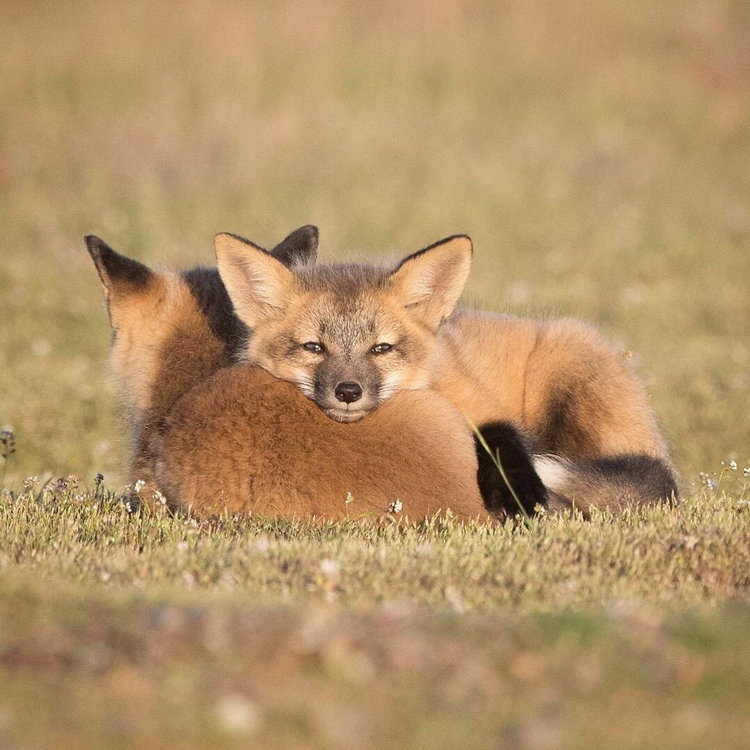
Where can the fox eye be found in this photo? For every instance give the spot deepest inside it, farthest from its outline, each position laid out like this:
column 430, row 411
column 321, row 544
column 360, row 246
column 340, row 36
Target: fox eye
column 381, row 348
column 314, row 347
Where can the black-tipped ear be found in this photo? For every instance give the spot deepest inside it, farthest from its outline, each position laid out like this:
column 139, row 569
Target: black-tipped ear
column 430, row 281
column 300, row 248
column 119, row 274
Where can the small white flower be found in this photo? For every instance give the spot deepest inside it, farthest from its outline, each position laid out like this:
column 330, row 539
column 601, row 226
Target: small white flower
column 706, row 479
column 330, row 568
column 349, row 498
column 691, row 542
column 395, row 507
column 746, row 472
column 139, row 485
column 712, row 484
column 733, row 465
column 160, row 498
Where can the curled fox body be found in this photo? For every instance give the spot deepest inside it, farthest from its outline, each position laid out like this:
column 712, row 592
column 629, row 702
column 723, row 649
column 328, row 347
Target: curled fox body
column 567, row 417
column 214, row 436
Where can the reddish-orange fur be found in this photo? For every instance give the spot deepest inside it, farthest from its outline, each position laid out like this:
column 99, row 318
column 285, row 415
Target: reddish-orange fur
column 246, row 441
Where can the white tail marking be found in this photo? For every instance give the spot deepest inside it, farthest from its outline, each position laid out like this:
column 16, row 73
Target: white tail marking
column 554, row 471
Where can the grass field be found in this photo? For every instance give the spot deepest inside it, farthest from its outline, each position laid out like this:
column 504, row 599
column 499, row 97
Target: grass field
column 123, row 630
column 598, row 155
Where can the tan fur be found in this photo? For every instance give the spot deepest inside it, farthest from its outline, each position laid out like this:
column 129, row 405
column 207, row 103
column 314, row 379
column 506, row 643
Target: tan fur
column 565, row 386
column 498, row 367
column 214, row 437
column 165, row 348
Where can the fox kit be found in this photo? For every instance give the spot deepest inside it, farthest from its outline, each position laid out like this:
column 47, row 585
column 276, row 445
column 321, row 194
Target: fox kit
column 212, row 436
column 567, row 418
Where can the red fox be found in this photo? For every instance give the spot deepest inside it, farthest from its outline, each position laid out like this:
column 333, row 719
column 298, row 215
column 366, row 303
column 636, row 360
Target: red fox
column 213, row 436
column 566, row 416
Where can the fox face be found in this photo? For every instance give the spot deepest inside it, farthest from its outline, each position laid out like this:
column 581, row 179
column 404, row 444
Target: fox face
column 350, row 336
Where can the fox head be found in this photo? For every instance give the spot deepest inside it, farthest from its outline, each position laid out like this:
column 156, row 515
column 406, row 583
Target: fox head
column 349, row 336
column 174, row 329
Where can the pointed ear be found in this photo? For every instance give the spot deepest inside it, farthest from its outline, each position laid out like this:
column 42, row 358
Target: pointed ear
column 120, row 276
column 430, row 282
column 300, row 248
column 259, row 285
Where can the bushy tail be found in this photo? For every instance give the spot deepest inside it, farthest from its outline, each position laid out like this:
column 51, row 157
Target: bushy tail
column 609, row 483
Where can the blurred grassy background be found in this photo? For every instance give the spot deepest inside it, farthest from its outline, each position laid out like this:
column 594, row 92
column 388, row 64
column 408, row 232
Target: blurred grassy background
column 598, row 154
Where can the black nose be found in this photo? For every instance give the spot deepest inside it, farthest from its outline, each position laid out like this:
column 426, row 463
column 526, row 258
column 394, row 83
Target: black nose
column 348, row 392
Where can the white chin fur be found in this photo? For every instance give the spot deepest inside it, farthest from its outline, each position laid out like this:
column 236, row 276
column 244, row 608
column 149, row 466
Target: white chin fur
column 305, row 385
column 340, row 415
column 554, row 471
